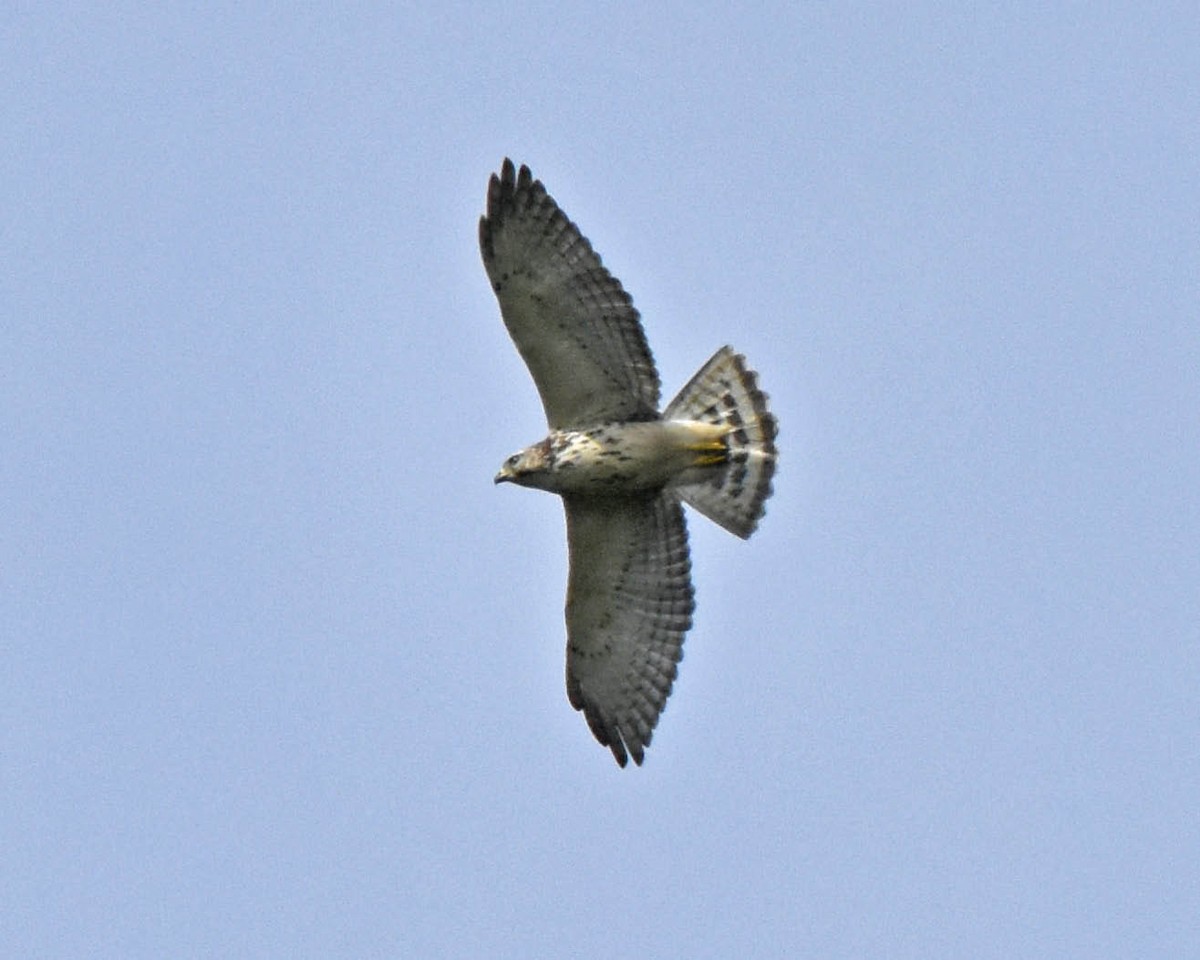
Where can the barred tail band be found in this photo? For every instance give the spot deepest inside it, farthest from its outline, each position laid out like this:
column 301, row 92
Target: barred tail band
column 725, row 391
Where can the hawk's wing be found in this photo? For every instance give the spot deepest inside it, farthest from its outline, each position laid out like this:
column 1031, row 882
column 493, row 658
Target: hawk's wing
column 629, row 604
column 574, row 325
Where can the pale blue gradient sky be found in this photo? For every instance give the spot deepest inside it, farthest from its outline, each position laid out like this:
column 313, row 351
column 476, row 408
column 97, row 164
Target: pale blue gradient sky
column 282, row 669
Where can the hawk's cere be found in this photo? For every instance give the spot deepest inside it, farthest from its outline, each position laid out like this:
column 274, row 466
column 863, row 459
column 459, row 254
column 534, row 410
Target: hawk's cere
column 621, row 467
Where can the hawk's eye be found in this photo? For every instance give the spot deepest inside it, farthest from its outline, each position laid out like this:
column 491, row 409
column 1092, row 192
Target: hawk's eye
column 514, row 459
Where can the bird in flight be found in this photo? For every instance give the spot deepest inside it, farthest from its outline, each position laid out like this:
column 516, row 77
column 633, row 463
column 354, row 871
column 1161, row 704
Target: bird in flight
column 622, row 468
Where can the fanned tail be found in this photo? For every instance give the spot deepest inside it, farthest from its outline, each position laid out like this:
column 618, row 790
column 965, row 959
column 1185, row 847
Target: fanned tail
column 725, row 391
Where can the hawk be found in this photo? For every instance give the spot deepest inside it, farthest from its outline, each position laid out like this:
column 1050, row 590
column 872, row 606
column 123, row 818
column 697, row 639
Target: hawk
column 622, row 468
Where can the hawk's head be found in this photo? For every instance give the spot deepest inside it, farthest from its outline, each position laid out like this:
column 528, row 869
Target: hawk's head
column 531, row 467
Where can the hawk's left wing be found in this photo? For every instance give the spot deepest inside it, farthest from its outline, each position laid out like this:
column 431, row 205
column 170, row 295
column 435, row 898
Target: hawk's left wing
column 629, row 604
column 573, row 323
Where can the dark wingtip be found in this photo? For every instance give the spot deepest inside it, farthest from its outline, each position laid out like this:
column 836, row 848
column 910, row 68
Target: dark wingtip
column 485, row 239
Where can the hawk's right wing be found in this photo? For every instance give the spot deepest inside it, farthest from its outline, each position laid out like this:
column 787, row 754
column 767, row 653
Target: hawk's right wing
column 573, row 323
column 629, row 604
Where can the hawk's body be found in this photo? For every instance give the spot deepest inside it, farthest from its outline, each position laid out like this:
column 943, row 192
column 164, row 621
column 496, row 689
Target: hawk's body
column 611, row 459
column 621, row 467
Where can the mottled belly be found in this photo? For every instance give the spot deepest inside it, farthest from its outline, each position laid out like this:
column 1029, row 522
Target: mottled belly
column 621, row 458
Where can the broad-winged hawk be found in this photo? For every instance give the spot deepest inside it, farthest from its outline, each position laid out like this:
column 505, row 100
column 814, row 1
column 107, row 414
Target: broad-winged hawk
column 621, row 467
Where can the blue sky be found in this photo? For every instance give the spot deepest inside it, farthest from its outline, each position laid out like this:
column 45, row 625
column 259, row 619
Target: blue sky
column 282, row 668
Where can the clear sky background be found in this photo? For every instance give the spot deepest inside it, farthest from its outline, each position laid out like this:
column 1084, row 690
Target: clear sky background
column 283, row 671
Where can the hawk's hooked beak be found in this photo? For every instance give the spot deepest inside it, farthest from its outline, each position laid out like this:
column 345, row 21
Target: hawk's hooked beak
column 508, row 470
